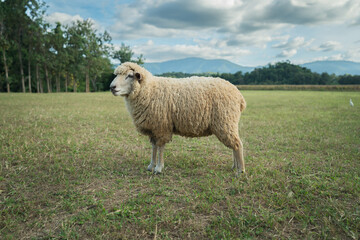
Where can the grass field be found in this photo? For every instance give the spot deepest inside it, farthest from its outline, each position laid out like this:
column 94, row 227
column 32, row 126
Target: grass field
column 74, row 167
column 302, row 87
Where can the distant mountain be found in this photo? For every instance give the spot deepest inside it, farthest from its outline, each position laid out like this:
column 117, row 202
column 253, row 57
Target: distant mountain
column 196, row 65
column 200, row 65
column 337, row 67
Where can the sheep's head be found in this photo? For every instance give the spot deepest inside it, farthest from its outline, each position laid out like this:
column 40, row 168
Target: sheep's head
column 127, row 80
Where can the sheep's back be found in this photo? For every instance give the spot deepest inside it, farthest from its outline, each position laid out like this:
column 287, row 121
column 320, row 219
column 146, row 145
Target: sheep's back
column 197, row 104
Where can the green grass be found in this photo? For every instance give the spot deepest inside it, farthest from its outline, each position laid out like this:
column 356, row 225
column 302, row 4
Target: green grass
column 74, row 167
column 301, row 87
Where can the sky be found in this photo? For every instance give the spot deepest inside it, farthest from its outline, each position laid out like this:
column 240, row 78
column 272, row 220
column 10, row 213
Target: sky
column 246, row 32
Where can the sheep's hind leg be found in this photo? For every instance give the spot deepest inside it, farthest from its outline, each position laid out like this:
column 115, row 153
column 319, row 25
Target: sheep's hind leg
column 238, row 157
column 230, row 138
column 160, row 162
column 153, row 157
column 235, row 163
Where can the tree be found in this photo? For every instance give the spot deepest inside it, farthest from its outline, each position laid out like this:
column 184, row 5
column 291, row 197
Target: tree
column 36, row 18
column 89, row 49
column 283, row 73
column 18, row 20
column 74, row 49
column 349, row 79
column 48, row 57
column 40, row 45
column 69, row 53
column 58, row 41
column 125, row 54
column 100, row 57
column 4, row 43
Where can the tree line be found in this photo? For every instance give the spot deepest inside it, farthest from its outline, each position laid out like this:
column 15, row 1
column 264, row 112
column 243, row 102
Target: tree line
column 39, row 57
column 280, row 73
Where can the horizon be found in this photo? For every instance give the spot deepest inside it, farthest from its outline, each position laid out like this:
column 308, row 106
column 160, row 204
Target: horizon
column 258, row 65
column 189, row 65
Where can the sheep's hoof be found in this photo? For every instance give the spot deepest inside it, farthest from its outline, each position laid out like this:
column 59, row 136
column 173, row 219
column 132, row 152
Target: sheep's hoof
column 158, row 170
column 157, row 173
column 150, row 168
column 240, row 173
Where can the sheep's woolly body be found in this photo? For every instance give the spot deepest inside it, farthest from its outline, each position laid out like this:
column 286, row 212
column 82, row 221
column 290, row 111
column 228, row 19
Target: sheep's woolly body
column 190, row 107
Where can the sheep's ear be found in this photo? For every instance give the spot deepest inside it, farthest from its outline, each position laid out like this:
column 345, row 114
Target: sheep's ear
column 138, row 77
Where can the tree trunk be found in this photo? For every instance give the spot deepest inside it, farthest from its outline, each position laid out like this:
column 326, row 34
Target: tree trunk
column 21, row 69
column 47, row 79
column 75, row 86
column 50, row 80
column 58, row 82
column 41, row 86
column 87, row 82
column 66, row 81
column 29, row 70
column 93, row 81
column 37, row 78
column 6, row 72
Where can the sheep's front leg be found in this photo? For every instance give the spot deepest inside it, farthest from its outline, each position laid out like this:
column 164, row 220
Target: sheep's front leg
column 153, row 157
column 160, row 162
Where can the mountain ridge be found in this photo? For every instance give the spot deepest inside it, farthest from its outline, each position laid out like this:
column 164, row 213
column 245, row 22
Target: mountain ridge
column 196, row 65
column 200, row 65
column 338, row 67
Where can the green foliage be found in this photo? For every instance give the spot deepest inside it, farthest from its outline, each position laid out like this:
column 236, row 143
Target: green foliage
column 125, row 54
column 74, row 57
column 280, row 73
column 349, row 79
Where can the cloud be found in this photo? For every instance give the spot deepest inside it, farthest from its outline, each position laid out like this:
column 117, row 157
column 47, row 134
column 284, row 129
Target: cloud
column 348, row 55
column 256, row 15
column 63, row 18
column 186, row 14
column 164, row 52
column 175, row 18
column 169, row 19
column 291, row 46
column 287, row 53
column 258, row 40
column 328, row 46
column 258, row 29
column 66, row 19
column 309, row 12
column 292, row 43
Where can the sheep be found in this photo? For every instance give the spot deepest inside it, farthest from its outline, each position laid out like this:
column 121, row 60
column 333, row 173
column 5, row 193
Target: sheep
column 190, row 107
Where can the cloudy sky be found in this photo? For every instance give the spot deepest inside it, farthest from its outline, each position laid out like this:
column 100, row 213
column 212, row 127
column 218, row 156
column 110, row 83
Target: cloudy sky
column 246, row 32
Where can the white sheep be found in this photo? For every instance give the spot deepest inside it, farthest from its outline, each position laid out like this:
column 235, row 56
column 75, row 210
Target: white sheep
column 190, row 107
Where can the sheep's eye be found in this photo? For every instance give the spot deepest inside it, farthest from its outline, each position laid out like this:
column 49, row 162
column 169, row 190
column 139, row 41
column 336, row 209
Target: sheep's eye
column 130, row 76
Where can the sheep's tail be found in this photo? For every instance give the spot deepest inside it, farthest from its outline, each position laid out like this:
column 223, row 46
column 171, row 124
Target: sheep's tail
column 242, row 104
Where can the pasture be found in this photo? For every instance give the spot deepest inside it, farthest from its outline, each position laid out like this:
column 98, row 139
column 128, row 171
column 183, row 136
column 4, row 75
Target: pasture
column 74, row 167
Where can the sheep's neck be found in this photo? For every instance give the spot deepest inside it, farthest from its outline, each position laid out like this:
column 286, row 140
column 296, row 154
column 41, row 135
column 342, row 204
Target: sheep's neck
column 137, row 106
